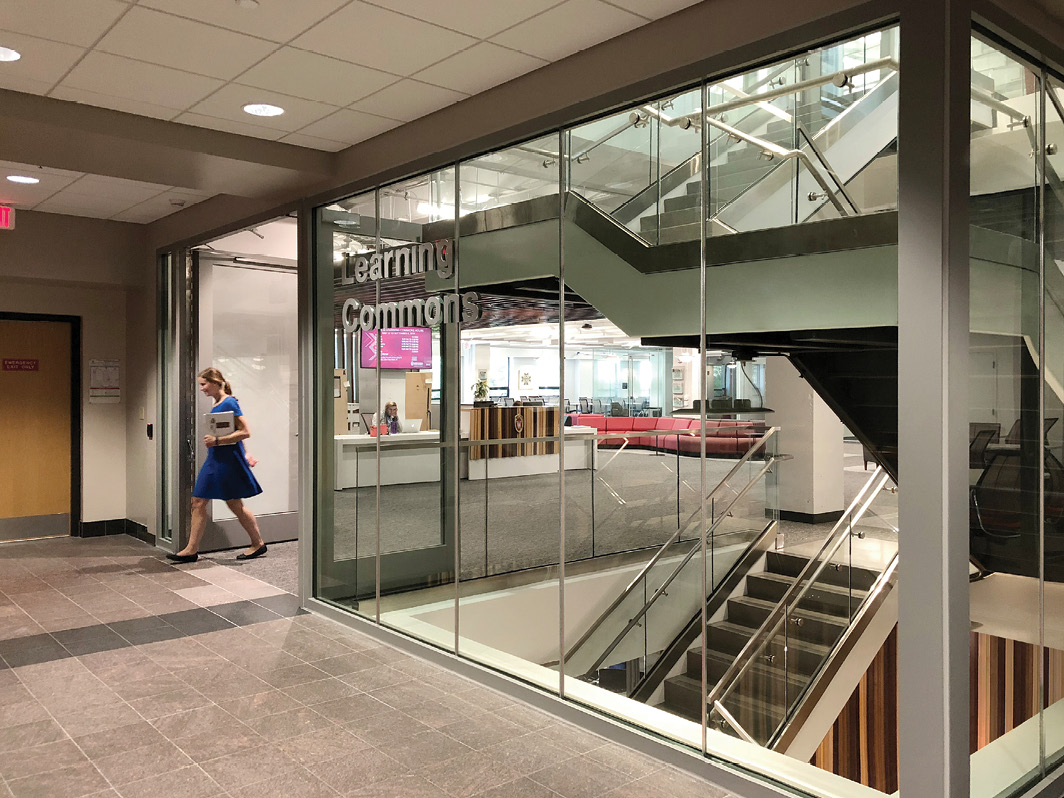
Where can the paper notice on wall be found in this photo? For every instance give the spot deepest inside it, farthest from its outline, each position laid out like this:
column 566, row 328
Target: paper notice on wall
column 104, row 385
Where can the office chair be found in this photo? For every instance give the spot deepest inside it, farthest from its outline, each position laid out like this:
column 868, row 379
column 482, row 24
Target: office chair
column 585, row 404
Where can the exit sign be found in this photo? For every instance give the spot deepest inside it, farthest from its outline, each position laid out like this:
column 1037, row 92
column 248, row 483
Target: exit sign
column 7, row 218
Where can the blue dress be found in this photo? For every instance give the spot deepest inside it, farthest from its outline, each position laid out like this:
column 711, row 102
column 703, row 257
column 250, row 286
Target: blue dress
column 226, row 473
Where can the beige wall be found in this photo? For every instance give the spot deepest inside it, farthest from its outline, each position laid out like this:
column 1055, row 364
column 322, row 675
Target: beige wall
column 89, row 268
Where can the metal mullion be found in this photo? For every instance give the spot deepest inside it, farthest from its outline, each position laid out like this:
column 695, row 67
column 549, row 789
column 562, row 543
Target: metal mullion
column 704, row 390
column 377, row 438
column 457, row 420
column 562, row 160
column 1040, row 161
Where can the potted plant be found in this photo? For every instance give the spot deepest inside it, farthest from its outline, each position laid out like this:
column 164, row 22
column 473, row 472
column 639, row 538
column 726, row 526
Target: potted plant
column 480, row 394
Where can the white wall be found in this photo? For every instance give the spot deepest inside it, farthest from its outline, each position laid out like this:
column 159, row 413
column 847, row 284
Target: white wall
column 103, row 336
column 94, row 269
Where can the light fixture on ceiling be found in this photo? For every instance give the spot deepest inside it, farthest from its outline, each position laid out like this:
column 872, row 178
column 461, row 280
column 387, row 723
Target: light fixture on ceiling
column 23, row 179
column 247, row 3
column 7, row 54
column 263, row 109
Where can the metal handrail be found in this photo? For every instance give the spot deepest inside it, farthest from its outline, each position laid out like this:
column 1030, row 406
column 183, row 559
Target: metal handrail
column 633, row 622
column 805, row 579
column 881, row 582
column 761, row 442
column 802, row 85
column 783, row 154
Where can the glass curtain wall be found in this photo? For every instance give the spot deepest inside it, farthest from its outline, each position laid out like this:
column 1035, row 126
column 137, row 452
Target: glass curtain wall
column 560, row 502
column 1016, row 402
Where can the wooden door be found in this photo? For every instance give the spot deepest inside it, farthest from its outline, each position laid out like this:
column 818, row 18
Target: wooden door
column 35, row 428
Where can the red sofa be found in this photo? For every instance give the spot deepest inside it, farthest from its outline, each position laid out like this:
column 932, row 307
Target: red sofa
column 724, row 437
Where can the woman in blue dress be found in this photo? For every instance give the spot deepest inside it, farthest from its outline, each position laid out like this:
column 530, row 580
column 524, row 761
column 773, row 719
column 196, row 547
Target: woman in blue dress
column 225, row 475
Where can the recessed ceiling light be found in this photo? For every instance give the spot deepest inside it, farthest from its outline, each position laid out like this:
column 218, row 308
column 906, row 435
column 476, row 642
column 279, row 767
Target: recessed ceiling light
column 263, row 109
column 247, row 3
column 7, row 54
column 22, row 179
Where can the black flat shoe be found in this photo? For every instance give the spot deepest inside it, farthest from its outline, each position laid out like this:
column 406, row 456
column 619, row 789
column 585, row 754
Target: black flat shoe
column 182, row 557
column 257, row 553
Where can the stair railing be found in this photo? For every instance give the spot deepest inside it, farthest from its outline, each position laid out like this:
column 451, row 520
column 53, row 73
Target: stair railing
column 754, row 649
column 759, row 445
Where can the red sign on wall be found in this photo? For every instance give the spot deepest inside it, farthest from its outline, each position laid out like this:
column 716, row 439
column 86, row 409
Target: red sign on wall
column 7, row 218
column 21, row 364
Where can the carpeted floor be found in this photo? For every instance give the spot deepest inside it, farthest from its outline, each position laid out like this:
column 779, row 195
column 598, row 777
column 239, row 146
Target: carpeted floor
column 512, row 524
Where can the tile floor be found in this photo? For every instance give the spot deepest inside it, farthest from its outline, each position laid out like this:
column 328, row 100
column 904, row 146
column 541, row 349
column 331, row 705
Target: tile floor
column 121, row 675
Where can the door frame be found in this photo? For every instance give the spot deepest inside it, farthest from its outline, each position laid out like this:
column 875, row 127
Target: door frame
column 75, row 404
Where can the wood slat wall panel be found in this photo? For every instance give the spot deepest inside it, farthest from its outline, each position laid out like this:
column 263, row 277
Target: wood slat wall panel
column 863, row 743
column 497, row 423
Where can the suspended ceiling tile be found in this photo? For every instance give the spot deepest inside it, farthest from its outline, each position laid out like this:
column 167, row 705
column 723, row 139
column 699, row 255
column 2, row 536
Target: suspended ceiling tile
column 115, row 188
column 230, row 126
column 314, row 143
column 349, row 126
column 157, row 207
column 654, row 9
column 86, row 97
column 79, row 205
column 229, row 101
column 81, row 22
column 160, row 86
column 574, row 25
column 277, row 20
column 480, row 67
column 315, row 77
column 22, row 195
column 42, row 64
column 38, row 171
column 480, row 18
column 408, row 100
column 171, row 41
column 378, row 38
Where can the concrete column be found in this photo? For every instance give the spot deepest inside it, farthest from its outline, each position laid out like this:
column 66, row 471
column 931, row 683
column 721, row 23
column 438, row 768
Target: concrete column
column 810, row 485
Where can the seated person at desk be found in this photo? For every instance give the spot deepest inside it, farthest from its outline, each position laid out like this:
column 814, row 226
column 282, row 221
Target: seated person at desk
column 391, row 419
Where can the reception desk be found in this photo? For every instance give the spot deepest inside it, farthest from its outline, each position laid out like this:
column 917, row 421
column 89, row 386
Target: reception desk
column 413, row 457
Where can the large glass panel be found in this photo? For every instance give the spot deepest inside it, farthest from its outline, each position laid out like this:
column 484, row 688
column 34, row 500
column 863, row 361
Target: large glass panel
column 415, row 437
column 508, row 377
column 825, row 148
column 347, row 542
column 634, row 566
column 1052, row 149
column 1009, row 463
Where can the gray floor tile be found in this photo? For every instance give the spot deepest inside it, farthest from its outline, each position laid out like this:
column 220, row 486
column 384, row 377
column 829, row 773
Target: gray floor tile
column 469, row 775
column 69, row 782
column 156, row 706
column 320, row 691
column 579, row 778
column 151, row 760
column 405, row 786
column 40, row 759
column 293, row 784
column 29, row 735
column 187, row 782
column 330, row 742
column 289, row 724
column 126, row 739
column 521, row 788
column 347, row 773
column 269, row 702
column 249, row 766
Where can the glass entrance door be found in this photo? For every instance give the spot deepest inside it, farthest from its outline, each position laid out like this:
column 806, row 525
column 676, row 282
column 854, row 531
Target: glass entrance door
column 246, row 327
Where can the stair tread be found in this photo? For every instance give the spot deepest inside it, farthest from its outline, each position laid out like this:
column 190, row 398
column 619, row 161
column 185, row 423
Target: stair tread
column 812, row 615
column 747, row 631
column 824, row 587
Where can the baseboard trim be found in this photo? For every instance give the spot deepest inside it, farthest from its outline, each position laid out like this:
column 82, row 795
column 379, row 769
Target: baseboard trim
column 115, row 526
column 811, row 518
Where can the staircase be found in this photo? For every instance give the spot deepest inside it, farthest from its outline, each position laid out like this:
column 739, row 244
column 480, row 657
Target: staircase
column 760, row 701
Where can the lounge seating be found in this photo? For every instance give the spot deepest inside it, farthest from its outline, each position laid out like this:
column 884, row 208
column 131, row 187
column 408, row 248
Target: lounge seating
column 724, row 437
